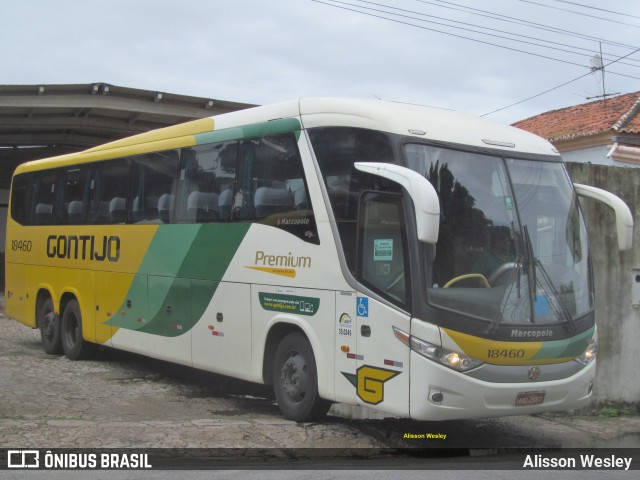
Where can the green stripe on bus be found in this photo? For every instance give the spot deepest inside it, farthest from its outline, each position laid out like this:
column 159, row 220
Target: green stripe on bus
column 570, row 347
column 170, row 246
column 212, row 250
column 178, row 277
column 273, row 127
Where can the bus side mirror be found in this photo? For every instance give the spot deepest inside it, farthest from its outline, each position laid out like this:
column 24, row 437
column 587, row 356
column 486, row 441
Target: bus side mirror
column 424, row 196
column 624, row 218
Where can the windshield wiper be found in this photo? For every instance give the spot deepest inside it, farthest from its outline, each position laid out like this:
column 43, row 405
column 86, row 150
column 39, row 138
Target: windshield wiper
column 531, row 268
column 518, row 266
column 495, row 323
column 555, row 302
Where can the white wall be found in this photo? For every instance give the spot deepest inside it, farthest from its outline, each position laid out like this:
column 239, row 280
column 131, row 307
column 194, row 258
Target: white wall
column 594, row 155
column 615, row 273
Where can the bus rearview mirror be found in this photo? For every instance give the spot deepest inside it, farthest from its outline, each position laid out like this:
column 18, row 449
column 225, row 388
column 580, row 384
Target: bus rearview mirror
column 424, row 196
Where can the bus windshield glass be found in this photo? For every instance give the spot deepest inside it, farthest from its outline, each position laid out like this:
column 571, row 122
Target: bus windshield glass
column 512, row 244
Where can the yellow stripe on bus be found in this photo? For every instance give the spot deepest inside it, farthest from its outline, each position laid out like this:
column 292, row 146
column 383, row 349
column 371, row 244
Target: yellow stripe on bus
column 182, row 130
column 169, row 138
column 500, row 352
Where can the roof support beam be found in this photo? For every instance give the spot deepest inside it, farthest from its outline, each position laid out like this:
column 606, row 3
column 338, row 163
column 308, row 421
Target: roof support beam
column 108, row 102
column 73, row 117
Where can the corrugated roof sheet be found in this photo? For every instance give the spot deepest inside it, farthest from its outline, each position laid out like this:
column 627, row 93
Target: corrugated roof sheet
column 619, row 114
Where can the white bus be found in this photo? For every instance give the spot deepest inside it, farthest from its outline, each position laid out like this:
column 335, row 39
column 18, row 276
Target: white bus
column 421, row 262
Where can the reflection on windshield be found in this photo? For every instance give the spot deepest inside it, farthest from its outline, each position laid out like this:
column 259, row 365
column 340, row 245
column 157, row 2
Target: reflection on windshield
column 483, row 266
column 549, row 208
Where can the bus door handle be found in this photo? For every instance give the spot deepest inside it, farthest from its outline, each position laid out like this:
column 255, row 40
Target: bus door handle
column 365, row 330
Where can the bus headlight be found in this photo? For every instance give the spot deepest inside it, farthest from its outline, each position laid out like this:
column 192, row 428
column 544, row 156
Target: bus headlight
column 455, row 360
column 589, row 355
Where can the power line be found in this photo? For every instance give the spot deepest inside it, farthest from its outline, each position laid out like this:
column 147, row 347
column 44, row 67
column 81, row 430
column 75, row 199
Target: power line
column 590, row 54
column 557, row 87
column 596, row 8
column 359, row 9
column 537, row 95
column 340, row 5
column 581, row 13
column 519, row 21
column 471, row 30
column 367, row 11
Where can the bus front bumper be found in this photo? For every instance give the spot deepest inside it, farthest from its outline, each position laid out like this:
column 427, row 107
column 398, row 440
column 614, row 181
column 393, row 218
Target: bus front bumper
column 440, row 393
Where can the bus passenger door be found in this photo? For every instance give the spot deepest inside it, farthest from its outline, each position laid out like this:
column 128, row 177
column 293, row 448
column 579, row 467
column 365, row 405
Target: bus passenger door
column 382, row 377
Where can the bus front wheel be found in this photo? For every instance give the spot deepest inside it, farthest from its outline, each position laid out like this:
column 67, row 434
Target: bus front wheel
column 295, row 380
column 75, row 347
column 50, row 331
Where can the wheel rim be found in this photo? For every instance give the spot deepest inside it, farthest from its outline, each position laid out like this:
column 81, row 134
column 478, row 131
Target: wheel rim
column 72, row 330
column 294, row 378
column 48, row 325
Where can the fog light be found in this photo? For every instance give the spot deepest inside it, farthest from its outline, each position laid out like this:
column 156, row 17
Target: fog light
column 437, row 397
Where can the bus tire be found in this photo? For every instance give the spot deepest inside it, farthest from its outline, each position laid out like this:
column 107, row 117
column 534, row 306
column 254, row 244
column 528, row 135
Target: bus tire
column 295, row 380
column 75, row 347
column 50, row 329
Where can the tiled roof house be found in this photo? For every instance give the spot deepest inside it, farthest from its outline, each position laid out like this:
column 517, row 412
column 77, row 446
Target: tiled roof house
column 603, row 132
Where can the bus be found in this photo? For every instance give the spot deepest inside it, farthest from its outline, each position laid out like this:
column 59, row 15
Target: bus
column 420, row 262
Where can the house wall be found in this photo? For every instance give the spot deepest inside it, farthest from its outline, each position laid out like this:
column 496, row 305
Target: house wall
column 617, row 283
column 594, row 149
column 595, row 155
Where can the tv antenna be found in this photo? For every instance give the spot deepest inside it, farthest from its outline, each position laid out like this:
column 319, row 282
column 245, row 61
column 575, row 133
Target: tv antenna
column 597, row 64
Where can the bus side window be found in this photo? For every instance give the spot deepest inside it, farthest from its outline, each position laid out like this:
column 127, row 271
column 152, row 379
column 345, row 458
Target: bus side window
column 271, row 186
column 44, row 197
column 75, row 195
column 20, row 198
column 336, row 149
column 109, row 186
column 154, row 175
column 207, row 180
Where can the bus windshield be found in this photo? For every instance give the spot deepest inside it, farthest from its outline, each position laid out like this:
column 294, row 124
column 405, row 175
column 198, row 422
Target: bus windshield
column 512, row 245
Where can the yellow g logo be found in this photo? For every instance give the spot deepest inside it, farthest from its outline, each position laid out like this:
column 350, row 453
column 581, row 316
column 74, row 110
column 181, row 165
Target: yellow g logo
column 369, row 383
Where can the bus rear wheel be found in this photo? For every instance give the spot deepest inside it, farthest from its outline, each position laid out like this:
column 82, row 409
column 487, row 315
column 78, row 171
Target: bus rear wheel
column 50, row 330
column 295, row 380
column 75, row 347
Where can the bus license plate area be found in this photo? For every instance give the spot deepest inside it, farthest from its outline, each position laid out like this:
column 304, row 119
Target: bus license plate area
column 529, row 398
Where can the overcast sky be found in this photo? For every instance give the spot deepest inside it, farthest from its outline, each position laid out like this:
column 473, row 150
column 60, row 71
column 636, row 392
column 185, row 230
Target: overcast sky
column 264, row 51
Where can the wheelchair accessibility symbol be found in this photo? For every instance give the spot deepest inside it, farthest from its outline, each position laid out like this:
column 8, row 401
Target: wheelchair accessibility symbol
column 362, row 307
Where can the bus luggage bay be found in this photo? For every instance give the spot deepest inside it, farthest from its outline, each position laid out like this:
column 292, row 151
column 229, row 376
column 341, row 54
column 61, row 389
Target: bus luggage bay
column 421, row 262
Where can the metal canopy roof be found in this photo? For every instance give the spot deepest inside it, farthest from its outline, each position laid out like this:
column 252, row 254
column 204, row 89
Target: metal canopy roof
column 38, row 121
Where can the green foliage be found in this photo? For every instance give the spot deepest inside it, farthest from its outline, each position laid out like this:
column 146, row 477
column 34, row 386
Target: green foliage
column 610, row 412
